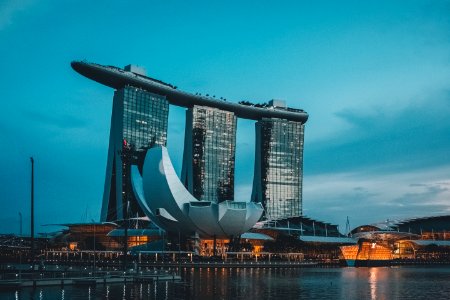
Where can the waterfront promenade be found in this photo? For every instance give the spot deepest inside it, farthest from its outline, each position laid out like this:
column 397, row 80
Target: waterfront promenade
column 83, row 272
column 75, row 276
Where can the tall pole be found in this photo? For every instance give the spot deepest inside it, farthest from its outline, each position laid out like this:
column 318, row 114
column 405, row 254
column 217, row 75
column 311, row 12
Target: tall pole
column 32, row 212
column 20, row 219
column 179, row 251
column 125, row 246
column 347, row 228
column 95, row 254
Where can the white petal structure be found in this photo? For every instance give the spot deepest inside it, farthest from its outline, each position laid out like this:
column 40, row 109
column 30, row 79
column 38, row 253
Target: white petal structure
column 165, row 200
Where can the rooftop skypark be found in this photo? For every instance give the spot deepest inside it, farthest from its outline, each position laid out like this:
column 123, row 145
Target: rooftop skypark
column 118, row 78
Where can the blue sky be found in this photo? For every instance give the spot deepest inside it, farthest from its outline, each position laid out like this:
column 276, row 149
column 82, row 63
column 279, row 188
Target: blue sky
column 373, row 75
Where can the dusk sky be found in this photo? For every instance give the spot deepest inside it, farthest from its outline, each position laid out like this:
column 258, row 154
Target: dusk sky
column 374, row 77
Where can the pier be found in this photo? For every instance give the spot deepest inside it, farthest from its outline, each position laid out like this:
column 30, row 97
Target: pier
column 54, row 278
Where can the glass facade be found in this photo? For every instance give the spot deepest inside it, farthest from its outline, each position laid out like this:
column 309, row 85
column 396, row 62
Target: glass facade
column 279, row 167
column 145, row 117
column 209, row 154
column 139, row 121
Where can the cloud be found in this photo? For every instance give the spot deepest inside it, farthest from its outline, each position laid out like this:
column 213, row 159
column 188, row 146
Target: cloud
column 367, row 196
column 8, row 9
column 422, row 195
column 415, row 136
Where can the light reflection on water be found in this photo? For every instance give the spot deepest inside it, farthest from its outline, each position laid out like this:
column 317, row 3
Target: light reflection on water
column 373, row 283
column 309, row 283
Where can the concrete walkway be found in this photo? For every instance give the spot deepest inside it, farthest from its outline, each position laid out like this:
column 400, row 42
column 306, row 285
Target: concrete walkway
column 88, row 280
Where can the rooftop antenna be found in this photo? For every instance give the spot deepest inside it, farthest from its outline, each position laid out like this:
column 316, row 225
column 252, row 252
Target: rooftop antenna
column 84, row 215
column 301, row 228
column 314, row 228
column 347, row 227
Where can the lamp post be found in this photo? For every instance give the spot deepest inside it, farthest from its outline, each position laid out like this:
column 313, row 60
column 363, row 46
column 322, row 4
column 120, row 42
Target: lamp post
column 179, row 252
column 125, row 246
column 95, row 256
column 20, row 223
column 32, row 212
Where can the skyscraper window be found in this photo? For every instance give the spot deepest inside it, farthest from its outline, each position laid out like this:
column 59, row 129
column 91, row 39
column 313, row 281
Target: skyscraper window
column 138, row 122
column 279, row 167
column 208, row 163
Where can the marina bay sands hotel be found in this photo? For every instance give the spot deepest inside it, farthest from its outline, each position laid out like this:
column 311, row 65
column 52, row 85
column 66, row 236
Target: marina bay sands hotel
column 139, row 122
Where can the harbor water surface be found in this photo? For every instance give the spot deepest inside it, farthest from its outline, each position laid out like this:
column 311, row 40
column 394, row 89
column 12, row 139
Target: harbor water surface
column 259, row 283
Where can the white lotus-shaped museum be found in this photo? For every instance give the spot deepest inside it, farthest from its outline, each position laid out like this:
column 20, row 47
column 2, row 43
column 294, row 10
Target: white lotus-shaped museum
column 166, row 201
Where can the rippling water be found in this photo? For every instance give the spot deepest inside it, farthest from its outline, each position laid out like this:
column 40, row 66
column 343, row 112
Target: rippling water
column 308, row 283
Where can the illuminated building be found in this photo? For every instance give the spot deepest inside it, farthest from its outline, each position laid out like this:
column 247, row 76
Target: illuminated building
column 381, row 243
column 87, row 236
column 204, row 202
column 138, row 122
column 103, row 236
column 171, row 206
column 209, row 153
column 279, row 167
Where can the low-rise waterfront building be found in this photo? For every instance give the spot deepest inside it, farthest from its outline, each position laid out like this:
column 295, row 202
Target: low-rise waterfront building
column 414, row 239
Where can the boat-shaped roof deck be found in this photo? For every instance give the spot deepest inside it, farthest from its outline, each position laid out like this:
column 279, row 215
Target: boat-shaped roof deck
column 118, row 78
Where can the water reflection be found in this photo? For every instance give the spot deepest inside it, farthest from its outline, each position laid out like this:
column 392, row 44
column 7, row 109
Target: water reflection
column 373, row 283
column 167, row 290
column 311, row 283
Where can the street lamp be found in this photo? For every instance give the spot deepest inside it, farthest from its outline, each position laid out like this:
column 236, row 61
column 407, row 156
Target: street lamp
column 20, row 220
column 95, row 256
column 32, row 212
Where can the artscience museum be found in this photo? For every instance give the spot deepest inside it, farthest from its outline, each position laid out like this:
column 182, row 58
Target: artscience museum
column 169, row 204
